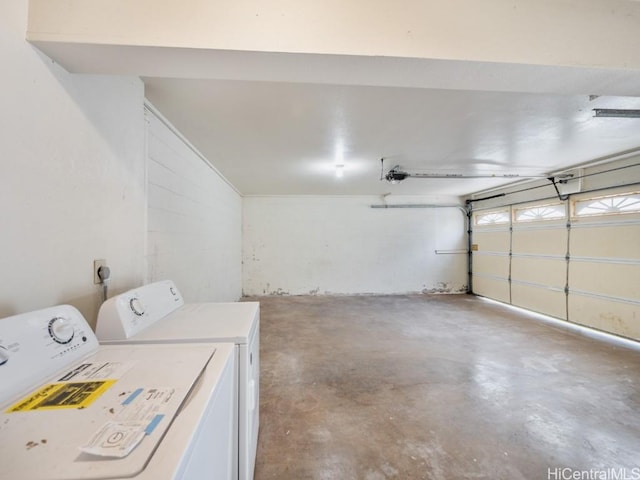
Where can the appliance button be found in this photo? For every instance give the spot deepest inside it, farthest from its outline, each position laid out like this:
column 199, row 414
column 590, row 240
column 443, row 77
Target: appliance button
column 136, row 306
column 61, row 330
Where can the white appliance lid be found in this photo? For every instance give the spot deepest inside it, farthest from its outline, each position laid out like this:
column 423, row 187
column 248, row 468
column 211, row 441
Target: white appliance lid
column 219, row 322
column 41, row 440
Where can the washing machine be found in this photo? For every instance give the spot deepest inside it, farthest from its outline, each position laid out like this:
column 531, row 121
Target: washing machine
column 157, row 313
column 71, row 409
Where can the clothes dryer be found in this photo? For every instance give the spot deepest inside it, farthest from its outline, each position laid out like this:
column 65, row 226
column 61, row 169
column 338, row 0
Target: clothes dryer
column 157, row 313
column 71, row 409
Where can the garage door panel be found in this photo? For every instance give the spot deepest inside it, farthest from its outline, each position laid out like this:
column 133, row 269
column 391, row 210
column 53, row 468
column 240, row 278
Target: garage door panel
column 596, row 255
column 540, row 241
column 544, row 271
column 607, row 315
column 609, row 241
column 492, row 241
column 611, row 279
column 496, row 265
column 539, row 299
column 497, row 289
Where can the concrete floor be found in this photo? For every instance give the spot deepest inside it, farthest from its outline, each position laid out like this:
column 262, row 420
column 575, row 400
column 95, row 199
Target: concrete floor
column 438, row 387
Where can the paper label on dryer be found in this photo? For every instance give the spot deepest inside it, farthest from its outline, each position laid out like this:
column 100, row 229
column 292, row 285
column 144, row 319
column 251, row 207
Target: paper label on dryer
column 55, row 396
column 115, row 439
column 135, row 417
column 96, row 371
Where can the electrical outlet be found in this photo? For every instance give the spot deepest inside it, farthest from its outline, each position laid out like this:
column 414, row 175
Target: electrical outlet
column 96, row 265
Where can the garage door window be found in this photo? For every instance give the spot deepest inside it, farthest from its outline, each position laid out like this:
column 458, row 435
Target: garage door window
column 492, row 218
column 541, row 212
column 611, row 204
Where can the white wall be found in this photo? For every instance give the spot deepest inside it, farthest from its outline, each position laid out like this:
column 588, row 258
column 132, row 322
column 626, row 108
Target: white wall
column 600, row 33
column 339, row 245
column 73, row 189
column 72, row 177
column 194, row 219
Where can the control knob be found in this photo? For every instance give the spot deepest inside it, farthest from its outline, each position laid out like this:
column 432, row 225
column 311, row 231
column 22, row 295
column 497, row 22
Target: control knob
column 136, row 306
column 61, row 330
column 4, row 355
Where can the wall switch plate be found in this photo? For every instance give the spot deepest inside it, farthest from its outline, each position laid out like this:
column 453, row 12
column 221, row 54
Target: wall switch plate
column 96, row 265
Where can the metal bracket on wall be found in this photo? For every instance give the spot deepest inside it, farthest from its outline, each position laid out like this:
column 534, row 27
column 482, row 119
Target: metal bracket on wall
column 560, row 196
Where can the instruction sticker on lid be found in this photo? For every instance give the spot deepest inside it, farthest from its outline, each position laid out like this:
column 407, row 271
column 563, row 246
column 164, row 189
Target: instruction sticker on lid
column 54, row 396
column 97, row 371
column 115, row 439
column 139, row 414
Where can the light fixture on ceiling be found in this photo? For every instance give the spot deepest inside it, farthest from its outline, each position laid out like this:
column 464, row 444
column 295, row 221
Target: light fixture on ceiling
column 615, row 113
column 339, row 171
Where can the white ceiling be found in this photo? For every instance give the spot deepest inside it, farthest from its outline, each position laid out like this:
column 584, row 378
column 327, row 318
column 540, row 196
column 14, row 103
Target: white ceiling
column 279, row 138
column 275, row 93
column 276, row 123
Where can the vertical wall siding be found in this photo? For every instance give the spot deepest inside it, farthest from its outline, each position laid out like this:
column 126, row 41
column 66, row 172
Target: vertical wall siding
column 194, row 219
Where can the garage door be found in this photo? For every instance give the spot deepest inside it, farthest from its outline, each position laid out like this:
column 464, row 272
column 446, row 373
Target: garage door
column 604, row 271
column 491, row 261
column 577, row 260
column 539, row 258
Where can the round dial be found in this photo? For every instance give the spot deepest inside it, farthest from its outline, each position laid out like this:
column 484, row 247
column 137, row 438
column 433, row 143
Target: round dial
column 136, row 306
column 61, row 330
column 4, row 355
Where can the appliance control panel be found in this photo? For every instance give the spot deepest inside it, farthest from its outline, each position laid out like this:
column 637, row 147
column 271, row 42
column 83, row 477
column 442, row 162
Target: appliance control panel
column 127, row 314
column 36, row 345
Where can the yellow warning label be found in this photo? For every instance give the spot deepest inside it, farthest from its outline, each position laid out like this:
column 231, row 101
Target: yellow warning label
column 55, row 396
